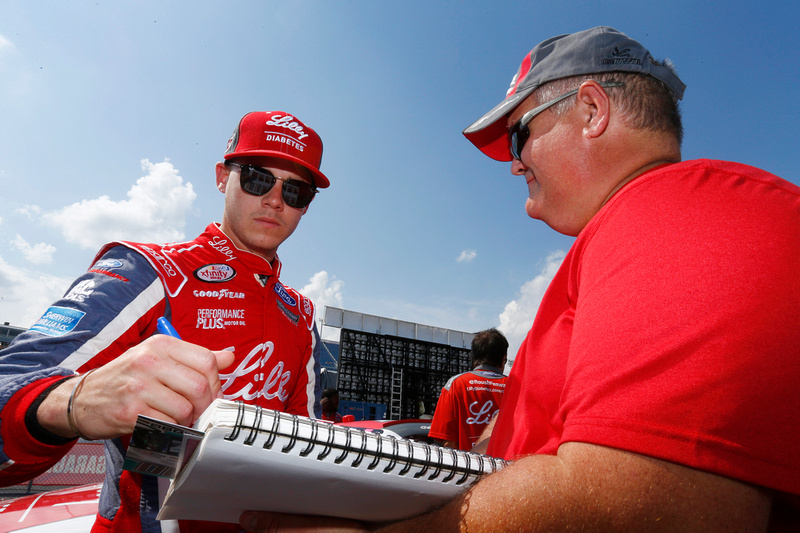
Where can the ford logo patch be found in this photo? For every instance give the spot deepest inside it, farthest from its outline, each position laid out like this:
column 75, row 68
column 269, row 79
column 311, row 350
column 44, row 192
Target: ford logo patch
column 108, row 263
column 285, row 296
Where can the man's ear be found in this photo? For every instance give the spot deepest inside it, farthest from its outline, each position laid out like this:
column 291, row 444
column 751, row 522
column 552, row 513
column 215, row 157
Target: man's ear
column 223, row 173
column 596, row 108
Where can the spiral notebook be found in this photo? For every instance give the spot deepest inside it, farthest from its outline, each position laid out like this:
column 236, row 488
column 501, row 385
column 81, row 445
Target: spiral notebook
column 251, row 458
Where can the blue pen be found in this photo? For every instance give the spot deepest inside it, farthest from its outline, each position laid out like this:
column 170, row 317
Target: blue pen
column 166, row 328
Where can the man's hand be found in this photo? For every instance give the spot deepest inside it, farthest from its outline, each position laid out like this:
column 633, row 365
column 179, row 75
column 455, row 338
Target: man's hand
column 162, row 377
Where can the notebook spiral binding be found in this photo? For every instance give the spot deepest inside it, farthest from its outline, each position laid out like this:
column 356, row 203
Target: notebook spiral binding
column 398, row 451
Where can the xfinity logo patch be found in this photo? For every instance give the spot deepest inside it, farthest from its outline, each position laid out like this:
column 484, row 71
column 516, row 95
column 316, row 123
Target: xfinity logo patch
column 217, row 273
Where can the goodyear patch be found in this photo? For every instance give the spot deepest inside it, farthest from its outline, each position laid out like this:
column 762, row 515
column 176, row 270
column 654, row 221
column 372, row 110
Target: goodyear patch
column 58, row 321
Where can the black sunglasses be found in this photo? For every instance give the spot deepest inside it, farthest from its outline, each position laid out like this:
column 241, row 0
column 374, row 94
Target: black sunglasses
column 259, row 181
column 519, row 132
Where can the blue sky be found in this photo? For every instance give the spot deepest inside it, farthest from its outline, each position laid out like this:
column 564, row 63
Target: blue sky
column 112, row 117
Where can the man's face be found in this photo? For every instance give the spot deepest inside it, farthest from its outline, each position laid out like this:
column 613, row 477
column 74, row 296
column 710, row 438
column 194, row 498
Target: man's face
column 331, row 403
column 572, row 162
column 259, row 223
column 553, row 162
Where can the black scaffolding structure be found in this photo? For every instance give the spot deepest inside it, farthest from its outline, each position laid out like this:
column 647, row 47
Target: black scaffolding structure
column 405, row 374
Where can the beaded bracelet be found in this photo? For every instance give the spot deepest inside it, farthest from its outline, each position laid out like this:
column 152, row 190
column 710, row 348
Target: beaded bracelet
column 73, row 424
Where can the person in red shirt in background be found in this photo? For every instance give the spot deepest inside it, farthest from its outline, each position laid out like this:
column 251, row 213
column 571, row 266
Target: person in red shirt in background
column 469, row 401
column 330, row 405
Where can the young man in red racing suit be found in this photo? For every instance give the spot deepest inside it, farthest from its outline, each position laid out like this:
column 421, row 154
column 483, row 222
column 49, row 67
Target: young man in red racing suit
column 245, row 335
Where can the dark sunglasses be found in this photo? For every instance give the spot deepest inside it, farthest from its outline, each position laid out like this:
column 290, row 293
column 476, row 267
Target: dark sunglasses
column 519, row 132
column 259, row 181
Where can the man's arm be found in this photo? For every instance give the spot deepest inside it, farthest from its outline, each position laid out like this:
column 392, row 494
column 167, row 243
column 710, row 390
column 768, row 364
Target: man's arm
column 163, row 377
column 584, row 487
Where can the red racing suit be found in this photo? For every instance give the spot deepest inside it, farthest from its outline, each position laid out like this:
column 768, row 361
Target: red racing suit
column 215, row 295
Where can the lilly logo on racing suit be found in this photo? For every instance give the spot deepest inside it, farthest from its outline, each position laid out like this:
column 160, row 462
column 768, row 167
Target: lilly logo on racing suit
column 285, row 296
column 274, row 383
column 216, row 273
column 483, row 415
column 221, row 245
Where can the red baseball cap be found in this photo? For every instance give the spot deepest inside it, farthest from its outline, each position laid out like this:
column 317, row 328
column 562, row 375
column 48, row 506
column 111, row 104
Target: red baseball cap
column 278, row 134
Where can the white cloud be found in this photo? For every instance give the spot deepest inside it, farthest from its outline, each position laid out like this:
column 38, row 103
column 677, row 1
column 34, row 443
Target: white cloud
column 29, row 211
column 39, row 253
column 24, row 295
column 324, row 291
column 154, row 211
column 18, row 83
column 467, row 256
column 517, row 317
column 5, row 45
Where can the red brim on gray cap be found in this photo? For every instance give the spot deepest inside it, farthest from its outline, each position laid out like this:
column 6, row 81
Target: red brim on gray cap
column 593, row 51
column 278, row 134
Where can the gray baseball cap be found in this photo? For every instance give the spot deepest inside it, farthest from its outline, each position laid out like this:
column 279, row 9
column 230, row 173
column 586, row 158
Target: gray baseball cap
column 600, row 49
